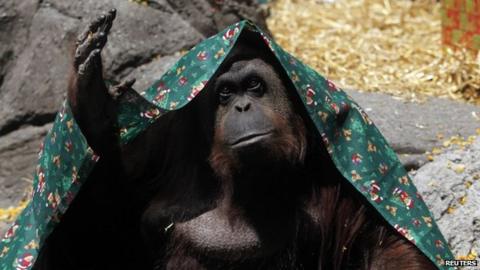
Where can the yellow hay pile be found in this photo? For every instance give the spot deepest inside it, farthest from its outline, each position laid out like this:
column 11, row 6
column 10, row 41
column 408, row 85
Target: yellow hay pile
column 392, row 46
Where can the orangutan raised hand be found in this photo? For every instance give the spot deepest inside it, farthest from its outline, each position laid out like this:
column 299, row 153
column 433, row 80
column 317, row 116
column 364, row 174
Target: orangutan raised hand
column 93, row 103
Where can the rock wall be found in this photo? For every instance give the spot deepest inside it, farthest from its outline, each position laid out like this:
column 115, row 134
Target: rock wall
column 450, row 186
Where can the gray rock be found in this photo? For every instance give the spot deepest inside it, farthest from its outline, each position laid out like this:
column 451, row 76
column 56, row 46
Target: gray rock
column 445, row 185
column 412, row 128
column 208, row 17
column 36, row 84
column 15, row 19
column 147, row 74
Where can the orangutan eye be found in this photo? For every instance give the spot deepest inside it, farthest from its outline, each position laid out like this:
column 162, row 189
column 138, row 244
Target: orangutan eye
column 253, row 83
column 224, row 94
column 255, row 86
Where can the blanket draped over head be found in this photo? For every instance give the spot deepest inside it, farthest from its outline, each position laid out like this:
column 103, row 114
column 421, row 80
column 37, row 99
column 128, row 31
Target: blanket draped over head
column 355, row 145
